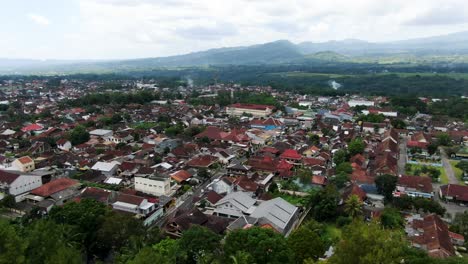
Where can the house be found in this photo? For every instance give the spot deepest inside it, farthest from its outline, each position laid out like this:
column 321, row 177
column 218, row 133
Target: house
column 280, row 214
column 414, row 186
column 58, row 191
column 184, row 219
column 97, row 194
column 371, row 128
column 106, row 168
column 234, row 205
column 252, row 109
column 291, row 155
column 24, row 164
column 266, row 124
column 18, row 184
column 64, row 144
column 353, row 103
column 181, row 176
column 454, row 192
column 101, row 133
column 140, row 206
column 32, row 128
column 202, row 161
column 430, row 234
column 154, row 184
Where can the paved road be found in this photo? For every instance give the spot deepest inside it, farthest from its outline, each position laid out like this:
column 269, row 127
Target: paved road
column 187, row 204
column 403, row 156
column 448, row 168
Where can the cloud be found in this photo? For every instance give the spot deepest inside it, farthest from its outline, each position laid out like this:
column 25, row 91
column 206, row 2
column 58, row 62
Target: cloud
column 444, row 15
column 38, row 19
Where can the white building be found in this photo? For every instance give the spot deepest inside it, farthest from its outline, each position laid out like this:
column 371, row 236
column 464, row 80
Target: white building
column 235, row 205
column 106, row 168
column 101, row 133
column 18, row 184
column 253, row 109
column 353, row 103
column 154, row 185
column 24, row 164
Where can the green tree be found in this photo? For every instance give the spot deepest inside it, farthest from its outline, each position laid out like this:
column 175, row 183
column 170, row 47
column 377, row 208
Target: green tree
column 386, row 184
column 324, row 203
column 391, row 218
column 443, row 139
column 264, row 245
column 306, row 243
column 198, row 242
column 78, row 135
column 12, row 246
column 340, row 180
column 49, row 242
column 87, row 216
column 117, row 230
column 353, row 206
column 460, row 224
column 344, row 167
column 364, row 243
column 463, row 165
column 340, row 156
column 398, row 123
column 149, row 256
column 356, row 146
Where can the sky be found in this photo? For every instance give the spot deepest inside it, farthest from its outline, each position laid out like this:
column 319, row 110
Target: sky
column 122, row 29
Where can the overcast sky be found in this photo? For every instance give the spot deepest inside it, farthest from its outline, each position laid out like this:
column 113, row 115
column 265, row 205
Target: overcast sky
column 116, row 29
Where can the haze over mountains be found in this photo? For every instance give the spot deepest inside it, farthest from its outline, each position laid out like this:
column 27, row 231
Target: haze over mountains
column 448, row 48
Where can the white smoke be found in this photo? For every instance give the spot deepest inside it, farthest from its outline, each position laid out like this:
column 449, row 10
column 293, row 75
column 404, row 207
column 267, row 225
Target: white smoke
column 335, row 85
column 189, row 82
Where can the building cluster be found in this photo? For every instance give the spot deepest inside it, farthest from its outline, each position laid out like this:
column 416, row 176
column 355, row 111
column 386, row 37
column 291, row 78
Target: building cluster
column 229, row 167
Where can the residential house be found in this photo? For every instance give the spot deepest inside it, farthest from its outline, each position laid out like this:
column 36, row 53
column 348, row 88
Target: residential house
column 64, row 144
column 157, row 185
column 18, row 184
column 106, row 168
column 23, row 164
column 454, row 192
column 235, row 204
column 414, row 186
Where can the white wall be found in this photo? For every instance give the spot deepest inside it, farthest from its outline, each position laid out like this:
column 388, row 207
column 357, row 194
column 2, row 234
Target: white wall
column 152, row 186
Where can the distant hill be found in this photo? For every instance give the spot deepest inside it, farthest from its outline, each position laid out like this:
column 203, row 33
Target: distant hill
column 451, row 48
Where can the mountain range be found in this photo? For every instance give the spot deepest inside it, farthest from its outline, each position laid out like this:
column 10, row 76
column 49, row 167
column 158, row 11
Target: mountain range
column 447, row 48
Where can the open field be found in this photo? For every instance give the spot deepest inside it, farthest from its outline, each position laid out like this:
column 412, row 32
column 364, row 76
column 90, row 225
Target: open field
column 457, row 171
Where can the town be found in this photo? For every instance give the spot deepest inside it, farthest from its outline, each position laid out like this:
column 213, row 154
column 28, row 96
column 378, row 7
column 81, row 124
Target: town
column 231, row 158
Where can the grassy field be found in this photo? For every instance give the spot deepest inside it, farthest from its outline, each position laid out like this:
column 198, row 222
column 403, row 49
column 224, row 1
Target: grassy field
column 311, row 74
column 457, row 171
column 296, row 200
column 443, row 174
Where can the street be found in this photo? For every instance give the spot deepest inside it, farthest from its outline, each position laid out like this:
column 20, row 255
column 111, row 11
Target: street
column 403, row 156
column 448, row 167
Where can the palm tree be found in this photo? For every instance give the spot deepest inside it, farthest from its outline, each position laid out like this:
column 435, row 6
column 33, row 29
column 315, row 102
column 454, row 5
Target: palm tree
column 353, row 206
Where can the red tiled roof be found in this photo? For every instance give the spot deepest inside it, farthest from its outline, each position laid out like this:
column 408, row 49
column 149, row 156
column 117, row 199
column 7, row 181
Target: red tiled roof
column 32, row 127
column 283, row 165
column 423, row 184
column 291, row 154
column 319, row 180
column 417, row 144
column 96, row 194
column 25, row 160
column 8, row 177
column 313, row 162
column 269, row 150
column 213, row 197
column 435, row 237
column 459, row 192
column 202, row 161
column 181, row 175
column 54, row 186
column 354, row 189
column 251, row 106
column 130, row 199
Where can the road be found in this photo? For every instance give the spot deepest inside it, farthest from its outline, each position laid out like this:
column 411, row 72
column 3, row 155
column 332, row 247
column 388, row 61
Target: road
column 448, row 167
column 187, row 203
column 403, row 156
